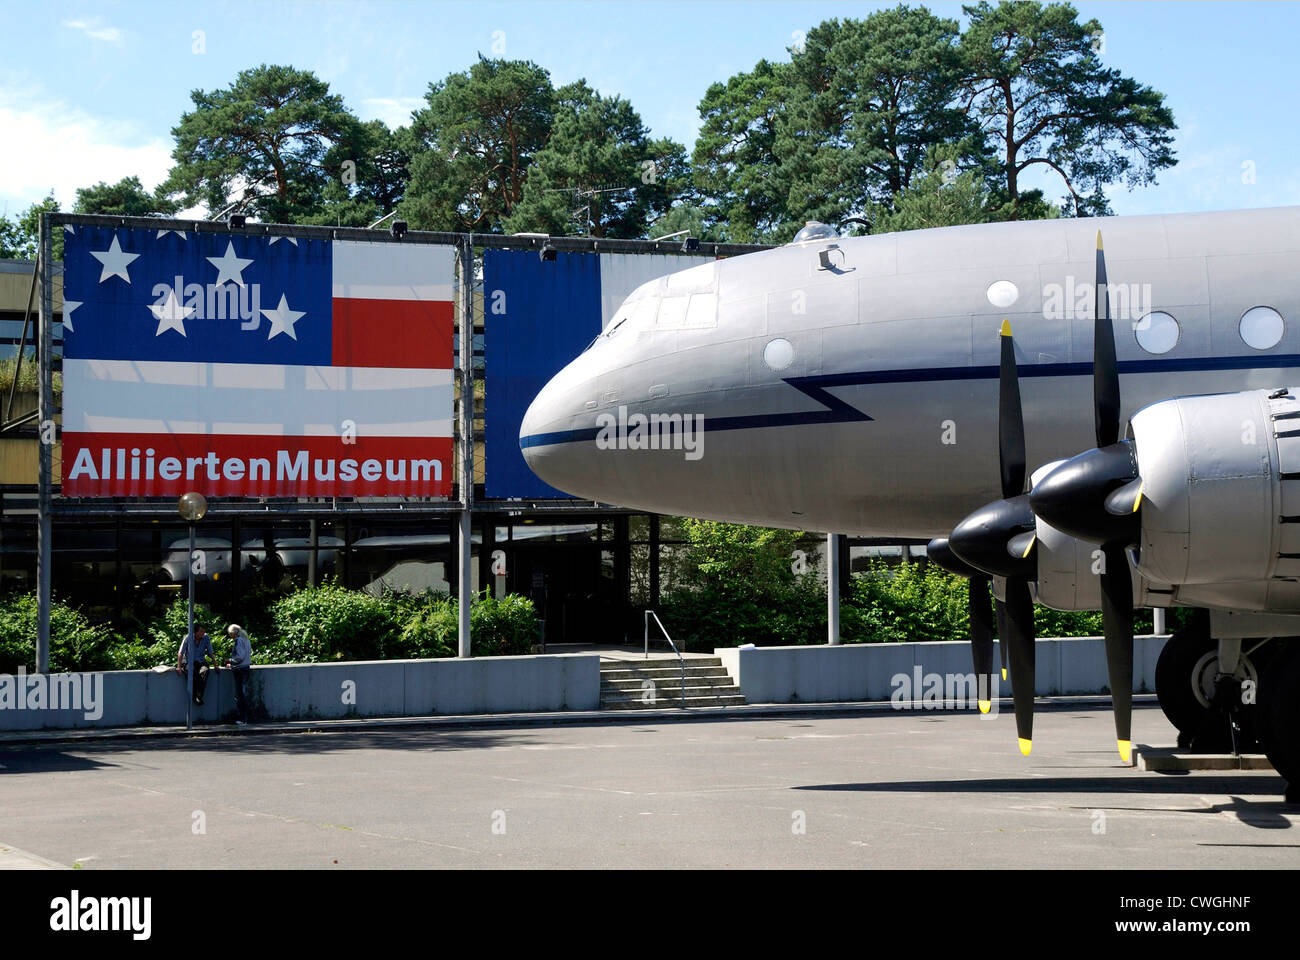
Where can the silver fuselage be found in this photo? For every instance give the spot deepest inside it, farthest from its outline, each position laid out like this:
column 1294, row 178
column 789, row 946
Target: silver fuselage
column 884, row 421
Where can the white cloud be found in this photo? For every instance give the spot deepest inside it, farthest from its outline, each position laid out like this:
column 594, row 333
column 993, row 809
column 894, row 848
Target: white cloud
column 64, row 148
column 96, row 30
column 394, row 111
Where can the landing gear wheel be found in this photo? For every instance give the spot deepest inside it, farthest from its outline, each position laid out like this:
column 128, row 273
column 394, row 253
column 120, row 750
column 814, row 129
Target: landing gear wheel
column 1192, row 698
column 1279, row 707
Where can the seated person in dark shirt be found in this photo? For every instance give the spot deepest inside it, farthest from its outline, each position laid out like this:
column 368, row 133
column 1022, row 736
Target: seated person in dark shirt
column 201, row 643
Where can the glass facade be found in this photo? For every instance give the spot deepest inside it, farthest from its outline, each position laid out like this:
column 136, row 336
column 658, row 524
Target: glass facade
column 590, row 576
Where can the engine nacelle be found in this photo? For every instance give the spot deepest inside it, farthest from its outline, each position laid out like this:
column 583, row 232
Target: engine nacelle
column 1220, row 505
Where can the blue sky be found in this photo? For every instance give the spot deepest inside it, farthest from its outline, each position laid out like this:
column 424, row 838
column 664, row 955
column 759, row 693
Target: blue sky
column 90, row 90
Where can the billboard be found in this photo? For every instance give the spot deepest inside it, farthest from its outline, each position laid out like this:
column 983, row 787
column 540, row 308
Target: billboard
column 255, row 366
column 538, row 315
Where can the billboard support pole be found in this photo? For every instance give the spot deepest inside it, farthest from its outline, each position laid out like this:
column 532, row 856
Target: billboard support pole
column 44, row 425
column 833, row 589
column 464, row 572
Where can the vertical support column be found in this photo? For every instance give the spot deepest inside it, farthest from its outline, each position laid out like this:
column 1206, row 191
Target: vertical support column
column 44, row 426
column 654, row 561
column 623, row 576
column 833, row 588
column 464, row 573
column 313, row 548
column 1158, row 621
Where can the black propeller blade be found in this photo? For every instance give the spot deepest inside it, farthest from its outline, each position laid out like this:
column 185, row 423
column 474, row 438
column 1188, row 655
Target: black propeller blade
column 981, row 638
column 1019, row 638
column 999, row 539
column 1011, row 421
column 1105, row 368
column 1096, row 497
column 980, row 611
column 1117, row 624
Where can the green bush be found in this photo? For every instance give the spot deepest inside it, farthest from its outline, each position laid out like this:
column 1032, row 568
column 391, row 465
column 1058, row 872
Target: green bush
column 329, row 622
column 74, row 643
column 907, row 602
column 432, row 629
column 742, row 589
column 501, row 628
column 915, row 601
column 498, row 628
column 157, row 641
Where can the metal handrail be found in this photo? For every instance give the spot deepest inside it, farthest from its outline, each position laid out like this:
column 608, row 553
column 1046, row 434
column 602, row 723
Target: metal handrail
column 664, row 631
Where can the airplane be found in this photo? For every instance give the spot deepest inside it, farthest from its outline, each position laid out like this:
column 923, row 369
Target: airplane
column 891, row 385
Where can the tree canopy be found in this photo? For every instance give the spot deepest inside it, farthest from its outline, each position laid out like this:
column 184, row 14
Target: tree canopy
column 260, row 144
column 126, row 198
column 902, row 119
column 599, row 174
column 473, row 142
column 1036, row 85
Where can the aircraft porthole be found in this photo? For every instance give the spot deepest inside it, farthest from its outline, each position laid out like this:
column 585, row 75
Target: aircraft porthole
column 1157, row 332
column 1003, row 293
column 1261, row 327
column 778, row 354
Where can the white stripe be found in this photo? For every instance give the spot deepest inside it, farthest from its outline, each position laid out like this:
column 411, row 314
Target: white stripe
column 393, row 271
column 137, row 396
column 621, row 273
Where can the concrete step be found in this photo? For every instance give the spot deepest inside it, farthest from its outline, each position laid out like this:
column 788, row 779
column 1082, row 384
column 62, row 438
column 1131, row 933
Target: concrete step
column 712, row 674
column 662, row 700
column 661, row 662
column 622, row 684
column 664, row 683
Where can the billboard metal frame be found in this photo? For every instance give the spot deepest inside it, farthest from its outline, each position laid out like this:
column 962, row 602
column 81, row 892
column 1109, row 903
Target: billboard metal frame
column 465, row 506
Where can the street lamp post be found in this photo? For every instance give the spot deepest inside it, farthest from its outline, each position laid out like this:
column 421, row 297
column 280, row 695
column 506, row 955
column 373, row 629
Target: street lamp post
column 192, row 506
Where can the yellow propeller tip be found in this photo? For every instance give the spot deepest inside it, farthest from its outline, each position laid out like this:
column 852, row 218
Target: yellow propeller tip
column 1004, row 674
column 986, row 706
column 1138, row 500
column 1026, row 746
column 1006, row 328
column 1098, row 239
column 1028, row 548
column 1125, row 750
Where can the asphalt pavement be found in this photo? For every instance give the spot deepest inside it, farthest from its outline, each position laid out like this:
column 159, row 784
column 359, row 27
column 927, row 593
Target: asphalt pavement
column 882, row 789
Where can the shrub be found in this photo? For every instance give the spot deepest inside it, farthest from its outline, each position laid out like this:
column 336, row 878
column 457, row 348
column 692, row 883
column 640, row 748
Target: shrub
column 329, row 622
column 74, row 643
column 911, row 601
column 743, row 590
column 501, row 628
column 916, row 601
column 505, row 627
column 433, row 629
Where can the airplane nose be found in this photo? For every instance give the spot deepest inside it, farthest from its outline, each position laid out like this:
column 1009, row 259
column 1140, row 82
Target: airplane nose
column 550, row 412
column 551, row 434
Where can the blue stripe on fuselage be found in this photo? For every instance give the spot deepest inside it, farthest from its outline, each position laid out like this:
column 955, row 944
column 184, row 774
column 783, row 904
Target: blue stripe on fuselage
column 839, row 411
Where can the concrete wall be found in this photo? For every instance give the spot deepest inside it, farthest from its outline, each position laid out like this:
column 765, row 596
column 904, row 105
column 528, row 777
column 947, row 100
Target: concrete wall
column 390, row 688
column 865, row 671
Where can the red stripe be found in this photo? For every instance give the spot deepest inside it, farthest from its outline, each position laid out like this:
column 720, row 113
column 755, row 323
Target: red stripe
column 392, row 333
column 370, row 459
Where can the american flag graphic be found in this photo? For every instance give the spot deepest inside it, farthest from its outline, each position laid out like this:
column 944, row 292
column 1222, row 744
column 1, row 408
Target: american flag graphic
column 255, row 366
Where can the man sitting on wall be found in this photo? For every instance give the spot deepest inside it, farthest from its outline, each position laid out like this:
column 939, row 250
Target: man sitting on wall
column 202, row 645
